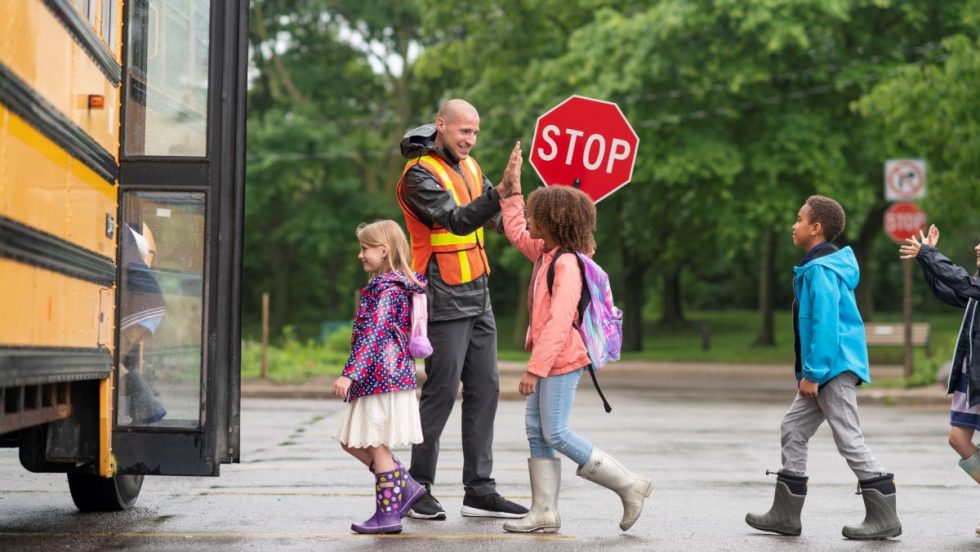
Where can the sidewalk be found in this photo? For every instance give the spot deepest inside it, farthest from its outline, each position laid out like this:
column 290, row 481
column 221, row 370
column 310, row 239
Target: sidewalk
column 747, row 382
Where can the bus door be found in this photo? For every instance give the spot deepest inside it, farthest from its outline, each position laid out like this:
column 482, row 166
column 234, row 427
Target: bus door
column 179, row 228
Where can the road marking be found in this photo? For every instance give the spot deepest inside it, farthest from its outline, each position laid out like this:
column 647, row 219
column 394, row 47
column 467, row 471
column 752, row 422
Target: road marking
column 294, row 535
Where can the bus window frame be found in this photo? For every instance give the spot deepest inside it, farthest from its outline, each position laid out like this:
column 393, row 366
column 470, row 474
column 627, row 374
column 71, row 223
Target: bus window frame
column 220, row 175
column 212, row 102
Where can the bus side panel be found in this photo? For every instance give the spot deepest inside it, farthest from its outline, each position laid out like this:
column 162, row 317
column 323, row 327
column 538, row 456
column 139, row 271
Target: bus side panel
column 45, row 188
column 54, row 310
column 42, row 52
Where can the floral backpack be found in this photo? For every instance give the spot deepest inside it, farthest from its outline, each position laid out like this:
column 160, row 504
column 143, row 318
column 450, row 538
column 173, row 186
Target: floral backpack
column 600, row 321
column 419, row 345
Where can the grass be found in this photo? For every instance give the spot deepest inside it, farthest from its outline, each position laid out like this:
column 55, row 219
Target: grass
column 733, row 332
column 294, row 361
column 731, row 335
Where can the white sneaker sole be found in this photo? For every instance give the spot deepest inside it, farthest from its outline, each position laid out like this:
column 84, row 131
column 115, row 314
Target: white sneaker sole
column 416, row 515
column 470, row 511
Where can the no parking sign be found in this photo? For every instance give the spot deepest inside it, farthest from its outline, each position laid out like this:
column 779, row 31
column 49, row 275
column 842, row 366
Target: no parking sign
column 905, row 179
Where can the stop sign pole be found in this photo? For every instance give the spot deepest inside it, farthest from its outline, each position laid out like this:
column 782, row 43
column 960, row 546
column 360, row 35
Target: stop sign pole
column 902, row 221
column 586, row 143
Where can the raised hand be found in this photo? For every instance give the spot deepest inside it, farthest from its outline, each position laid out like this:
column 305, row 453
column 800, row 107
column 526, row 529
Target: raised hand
column 933, row 237
column 911, row 248
column 511, row 182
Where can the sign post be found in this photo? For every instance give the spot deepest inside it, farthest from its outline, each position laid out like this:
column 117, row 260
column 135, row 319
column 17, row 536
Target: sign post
column 902, row 221
column 587, row 140
column 905, row 181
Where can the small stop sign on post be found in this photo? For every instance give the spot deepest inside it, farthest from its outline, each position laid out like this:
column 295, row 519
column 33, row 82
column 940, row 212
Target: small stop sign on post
column 904, row 220
column 585, row 139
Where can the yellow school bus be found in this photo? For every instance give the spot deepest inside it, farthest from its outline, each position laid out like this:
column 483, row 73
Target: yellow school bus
column 121, row 203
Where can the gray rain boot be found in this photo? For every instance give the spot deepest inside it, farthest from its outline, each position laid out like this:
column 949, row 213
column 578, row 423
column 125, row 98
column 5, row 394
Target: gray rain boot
column 784, row 515
column 971, row 466
column 545, row 483
column 632, row 488
column 880, row 519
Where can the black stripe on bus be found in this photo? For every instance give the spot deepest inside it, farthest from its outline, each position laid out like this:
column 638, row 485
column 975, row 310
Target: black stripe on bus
column 83, row 34
column 46, row 119
column 40, row 365
column 30, row 246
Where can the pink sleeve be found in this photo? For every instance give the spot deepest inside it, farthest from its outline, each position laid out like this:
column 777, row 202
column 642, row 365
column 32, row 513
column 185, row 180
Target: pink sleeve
column 565, row 295
column 515, row 227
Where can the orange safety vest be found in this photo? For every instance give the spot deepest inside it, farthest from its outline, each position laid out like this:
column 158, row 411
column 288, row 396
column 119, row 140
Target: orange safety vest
column 461, row 259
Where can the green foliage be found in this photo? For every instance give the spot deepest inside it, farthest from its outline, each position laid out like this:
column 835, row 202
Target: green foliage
column 931, row 112
column 294, row 361
column 743, row 107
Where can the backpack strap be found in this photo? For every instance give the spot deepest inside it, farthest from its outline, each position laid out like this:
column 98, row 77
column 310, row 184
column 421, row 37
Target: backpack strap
column 586, row 297
column 595, row 382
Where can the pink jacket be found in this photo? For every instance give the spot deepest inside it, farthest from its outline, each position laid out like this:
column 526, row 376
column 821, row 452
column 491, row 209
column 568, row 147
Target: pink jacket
column 556, row 347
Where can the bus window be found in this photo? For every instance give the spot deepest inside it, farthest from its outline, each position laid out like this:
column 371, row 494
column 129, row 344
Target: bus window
column 161, row 309
column 167, row 78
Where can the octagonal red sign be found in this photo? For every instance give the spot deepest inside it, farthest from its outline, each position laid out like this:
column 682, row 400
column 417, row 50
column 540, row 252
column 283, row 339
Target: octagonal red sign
column 586, row 139
column 904, row 220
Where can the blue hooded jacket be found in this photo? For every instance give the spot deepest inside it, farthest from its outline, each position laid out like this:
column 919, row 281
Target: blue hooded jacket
column 832, row 337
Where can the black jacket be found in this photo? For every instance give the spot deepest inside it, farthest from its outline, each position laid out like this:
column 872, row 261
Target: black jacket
column 432, row 204
column 954, row 285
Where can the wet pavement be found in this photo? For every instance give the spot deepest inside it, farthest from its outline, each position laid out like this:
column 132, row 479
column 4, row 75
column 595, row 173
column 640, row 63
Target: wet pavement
column 706, row 453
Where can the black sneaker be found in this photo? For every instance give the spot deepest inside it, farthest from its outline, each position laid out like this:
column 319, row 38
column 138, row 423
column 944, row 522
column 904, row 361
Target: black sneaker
column 427, row 507
column 492, row 505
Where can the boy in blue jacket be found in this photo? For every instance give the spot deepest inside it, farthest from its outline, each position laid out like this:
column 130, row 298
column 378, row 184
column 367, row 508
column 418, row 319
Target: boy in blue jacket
column 831, row 360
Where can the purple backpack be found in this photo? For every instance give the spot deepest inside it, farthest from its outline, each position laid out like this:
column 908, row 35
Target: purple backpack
column 600, row 321
column 419, row 345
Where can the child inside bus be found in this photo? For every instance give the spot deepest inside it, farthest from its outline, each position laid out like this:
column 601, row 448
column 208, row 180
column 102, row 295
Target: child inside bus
column 378, row 381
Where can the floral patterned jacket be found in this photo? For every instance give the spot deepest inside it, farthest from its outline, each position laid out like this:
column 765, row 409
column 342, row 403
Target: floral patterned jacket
column 379, row 360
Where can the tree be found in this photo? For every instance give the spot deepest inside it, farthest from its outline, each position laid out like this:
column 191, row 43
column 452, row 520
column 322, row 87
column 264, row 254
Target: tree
column 930, row 112
column 326, row 105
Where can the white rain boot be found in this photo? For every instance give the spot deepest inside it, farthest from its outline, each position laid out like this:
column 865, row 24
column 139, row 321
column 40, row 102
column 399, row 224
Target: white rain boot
column 545, row 483
column 632, row 488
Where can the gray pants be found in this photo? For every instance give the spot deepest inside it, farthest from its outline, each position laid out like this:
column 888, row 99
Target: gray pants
column 464, row 351
column 836, row 403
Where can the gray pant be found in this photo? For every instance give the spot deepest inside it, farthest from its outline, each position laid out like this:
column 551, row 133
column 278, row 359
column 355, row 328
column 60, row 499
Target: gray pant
column 836, row 403
column 464, row 351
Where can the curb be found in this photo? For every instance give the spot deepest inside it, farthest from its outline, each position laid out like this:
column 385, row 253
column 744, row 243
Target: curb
column 673, row 381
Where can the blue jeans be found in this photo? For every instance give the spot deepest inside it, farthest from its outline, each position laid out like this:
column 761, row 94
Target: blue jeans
column 546, row 420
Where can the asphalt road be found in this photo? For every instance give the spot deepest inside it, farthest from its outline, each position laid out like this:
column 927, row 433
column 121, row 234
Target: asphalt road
column 296, row 490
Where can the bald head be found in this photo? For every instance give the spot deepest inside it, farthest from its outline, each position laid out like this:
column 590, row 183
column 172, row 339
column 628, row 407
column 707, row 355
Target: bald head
column 457, row 125
column 451, row 110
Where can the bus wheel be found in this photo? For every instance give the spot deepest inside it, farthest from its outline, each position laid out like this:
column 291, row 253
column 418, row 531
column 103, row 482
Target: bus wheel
column 93, row 493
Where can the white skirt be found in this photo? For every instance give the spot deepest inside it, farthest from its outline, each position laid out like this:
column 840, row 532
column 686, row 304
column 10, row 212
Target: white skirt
column 390, row 419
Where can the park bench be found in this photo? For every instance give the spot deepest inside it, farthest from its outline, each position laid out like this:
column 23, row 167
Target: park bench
column 893, row 335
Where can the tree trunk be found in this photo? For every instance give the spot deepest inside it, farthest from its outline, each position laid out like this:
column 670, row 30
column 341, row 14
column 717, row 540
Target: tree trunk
column 634, row 297
column 672, row 314
column 766, row 336
column 870, row 230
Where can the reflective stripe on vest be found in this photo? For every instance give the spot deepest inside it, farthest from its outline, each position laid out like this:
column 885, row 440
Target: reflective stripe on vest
column 469, row 259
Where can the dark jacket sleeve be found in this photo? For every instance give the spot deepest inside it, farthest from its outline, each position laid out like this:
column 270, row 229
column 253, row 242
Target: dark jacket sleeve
column 950, row 283
column 496, row 222
column 433, row 204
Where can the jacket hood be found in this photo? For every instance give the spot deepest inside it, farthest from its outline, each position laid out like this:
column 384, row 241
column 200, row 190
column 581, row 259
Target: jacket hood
column 419, row 141
column 842, row 262
column 383, row 282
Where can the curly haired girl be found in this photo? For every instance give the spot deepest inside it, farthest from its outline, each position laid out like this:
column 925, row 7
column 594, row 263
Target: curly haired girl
column 559, row 219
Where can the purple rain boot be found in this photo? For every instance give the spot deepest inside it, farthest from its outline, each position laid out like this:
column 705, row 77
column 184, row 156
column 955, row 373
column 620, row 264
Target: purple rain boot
column 412, row 490
column 388, row 505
